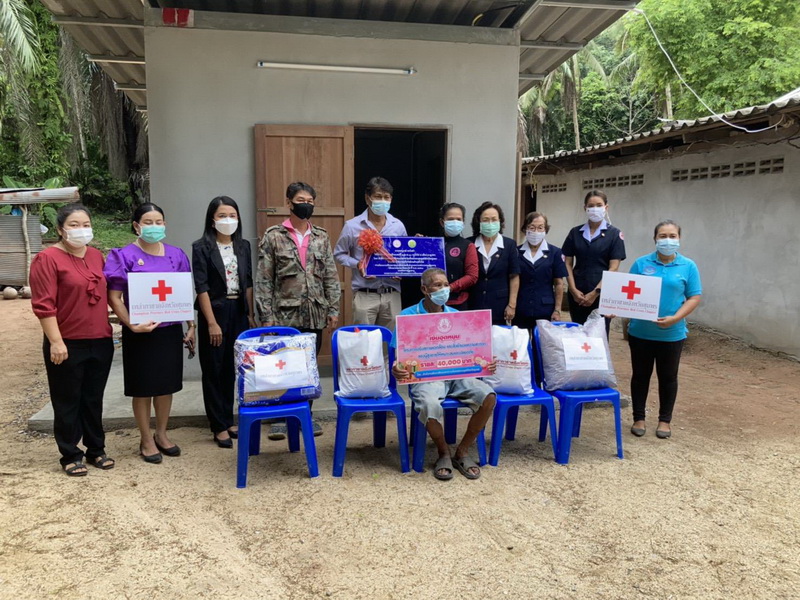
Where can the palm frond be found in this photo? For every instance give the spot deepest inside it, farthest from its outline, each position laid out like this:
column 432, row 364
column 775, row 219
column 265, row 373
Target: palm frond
column 18, row 35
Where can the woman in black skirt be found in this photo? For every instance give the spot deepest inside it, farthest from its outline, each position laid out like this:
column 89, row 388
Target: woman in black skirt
column 152, row 353
column 223, row 280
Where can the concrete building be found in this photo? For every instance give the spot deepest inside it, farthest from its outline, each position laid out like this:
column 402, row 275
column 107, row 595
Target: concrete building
column 245, row 101
column 735, row 194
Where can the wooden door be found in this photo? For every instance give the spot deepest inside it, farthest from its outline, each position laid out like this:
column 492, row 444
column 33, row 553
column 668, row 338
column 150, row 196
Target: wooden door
column 321, row 156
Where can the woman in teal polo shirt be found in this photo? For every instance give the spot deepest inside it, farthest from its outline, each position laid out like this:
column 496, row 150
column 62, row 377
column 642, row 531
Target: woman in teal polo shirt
column 661, row 342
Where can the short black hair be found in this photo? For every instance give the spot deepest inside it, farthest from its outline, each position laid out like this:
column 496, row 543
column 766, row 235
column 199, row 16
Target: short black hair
column 446, row 208
column 476, row 217
column 142, row 210
column 531, row 217
column 65, row 211
column 378, row 183
column 298, row 186
column 666, row 222
column 600, row 194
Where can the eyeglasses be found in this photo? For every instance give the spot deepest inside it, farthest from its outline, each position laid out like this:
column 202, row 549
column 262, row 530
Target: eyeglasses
column 379, row 197
column 535, row 228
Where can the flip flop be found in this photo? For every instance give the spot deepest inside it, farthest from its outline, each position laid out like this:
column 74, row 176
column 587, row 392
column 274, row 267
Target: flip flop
column 73, row 471
column 102, row 462
column 446, row 463
column 464, row 464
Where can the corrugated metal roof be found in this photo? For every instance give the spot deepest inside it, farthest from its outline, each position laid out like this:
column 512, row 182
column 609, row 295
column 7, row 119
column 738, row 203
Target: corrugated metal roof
column 555, row 28
column 673, row 127
column 12, row 248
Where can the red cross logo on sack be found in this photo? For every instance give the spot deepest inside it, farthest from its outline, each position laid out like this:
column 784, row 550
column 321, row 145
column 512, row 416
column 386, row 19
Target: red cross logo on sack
column 280, row 364
column 364, row 361
column 162, row 290
column 586, row 347
column 631, row 290
column 513, row 355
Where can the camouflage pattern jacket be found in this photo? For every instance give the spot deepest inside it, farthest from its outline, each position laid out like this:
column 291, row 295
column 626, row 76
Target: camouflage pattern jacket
column 286, row 293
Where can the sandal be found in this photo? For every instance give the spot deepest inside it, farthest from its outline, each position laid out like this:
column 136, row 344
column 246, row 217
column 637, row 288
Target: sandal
column 74, row 469
column 102, row 462
column 464, row 464
column 444, row 463
column 173, row 450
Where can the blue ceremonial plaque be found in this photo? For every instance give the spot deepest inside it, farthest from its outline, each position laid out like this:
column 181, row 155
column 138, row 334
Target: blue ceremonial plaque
column 413, row 255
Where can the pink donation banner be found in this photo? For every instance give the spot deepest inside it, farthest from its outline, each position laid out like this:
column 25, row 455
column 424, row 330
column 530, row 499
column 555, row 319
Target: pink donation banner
column 439, row 346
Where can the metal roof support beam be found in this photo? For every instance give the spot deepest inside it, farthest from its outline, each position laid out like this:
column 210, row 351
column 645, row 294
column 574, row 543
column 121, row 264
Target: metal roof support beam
column 601, row 5
column 532, row 76
column 130, row 87
column 108, row 58
column 539, row 45
column 97, row 22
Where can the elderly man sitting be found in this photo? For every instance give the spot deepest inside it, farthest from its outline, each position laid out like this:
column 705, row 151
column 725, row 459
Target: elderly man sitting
column 428, row 397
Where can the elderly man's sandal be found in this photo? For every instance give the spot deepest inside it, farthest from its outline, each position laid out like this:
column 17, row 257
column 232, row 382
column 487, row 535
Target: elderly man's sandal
column 76, row 469
column 446, row 464
column 464, row 464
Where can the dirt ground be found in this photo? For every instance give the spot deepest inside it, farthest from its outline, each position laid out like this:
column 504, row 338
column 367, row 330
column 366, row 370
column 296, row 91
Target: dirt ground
column 713, row 512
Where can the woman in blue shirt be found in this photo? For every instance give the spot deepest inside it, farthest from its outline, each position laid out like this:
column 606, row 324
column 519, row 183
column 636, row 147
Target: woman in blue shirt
column 661, row 342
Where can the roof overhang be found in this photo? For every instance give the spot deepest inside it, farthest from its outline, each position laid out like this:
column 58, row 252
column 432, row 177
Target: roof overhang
column 547, row 32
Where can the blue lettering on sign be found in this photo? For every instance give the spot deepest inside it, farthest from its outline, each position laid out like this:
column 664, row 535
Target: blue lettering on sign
column 449, row 372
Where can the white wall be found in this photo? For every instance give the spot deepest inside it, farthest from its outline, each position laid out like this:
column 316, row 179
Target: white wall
column 205, row 94
column 743, row 233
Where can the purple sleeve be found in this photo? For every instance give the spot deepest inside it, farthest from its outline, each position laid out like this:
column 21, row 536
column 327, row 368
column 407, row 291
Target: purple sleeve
column 116, row 270
column 184, row 266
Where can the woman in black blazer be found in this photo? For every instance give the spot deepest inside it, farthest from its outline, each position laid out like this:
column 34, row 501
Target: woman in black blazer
column 542, row 273
column 223, row 279
column 498, row 265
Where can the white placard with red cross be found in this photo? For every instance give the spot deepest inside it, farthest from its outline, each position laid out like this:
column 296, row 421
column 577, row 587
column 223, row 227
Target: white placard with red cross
column 160, row 297
column 585, row 354
column 631, row 296
column 281, row 371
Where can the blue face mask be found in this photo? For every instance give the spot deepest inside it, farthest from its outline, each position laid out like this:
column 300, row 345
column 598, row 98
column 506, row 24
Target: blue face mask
column 490, row 229
column 380, row 207
column 440, row 297
column 153, row 234
column 667, row 246
column 453, row 228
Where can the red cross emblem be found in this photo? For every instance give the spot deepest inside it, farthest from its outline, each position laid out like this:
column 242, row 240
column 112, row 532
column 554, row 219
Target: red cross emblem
column 513, row 355
column 280, row 364
column 162, row 290
column 586, row 347
column 364, row 361
column 631, row 290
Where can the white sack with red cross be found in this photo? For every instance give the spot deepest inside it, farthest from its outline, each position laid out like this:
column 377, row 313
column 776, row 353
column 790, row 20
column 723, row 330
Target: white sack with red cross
column 362, row 371
column 510, row 350
column 576, row 358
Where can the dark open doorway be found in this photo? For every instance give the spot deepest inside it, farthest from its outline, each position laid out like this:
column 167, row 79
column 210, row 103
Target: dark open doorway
column 415, row 163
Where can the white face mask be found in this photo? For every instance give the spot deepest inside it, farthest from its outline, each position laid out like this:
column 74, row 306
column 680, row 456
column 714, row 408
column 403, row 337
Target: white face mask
column 596, row 213
column 226, row 226
column 534, row 238
column 79, row 237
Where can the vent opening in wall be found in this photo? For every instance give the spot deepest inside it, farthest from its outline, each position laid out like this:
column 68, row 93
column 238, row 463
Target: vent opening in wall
column 554, row 187
column 718, row 171
column 610, row 182
column 680, row 174
column 743, row 169
column 770, row 165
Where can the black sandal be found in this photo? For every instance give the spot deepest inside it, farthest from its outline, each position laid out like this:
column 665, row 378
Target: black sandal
column 73, row 471
column 102, row 462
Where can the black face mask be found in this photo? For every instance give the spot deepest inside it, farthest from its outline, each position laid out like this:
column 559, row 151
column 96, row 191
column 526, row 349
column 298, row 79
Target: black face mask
column 303, row 210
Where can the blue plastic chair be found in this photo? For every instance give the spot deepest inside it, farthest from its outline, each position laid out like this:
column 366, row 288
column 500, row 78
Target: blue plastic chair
column 297, row 415
column 419, row 434
column 507, row 409
column 572, row 402
column 347, row 407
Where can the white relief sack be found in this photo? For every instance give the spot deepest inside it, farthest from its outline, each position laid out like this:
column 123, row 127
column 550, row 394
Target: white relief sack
column 362, row 372
column 576, row 358
column 510, row 349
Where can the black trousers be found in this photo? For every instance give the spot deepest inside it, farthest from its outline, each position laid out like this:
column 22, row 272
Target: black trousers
column 217, row 363
column 76, row 392
column 667, row 359
column 579, row 313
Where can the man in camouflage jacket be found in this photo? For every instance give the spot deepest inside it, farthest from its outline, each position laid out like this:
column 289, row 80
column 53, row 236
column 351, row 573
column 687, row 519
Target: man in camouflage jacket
column 297, row 284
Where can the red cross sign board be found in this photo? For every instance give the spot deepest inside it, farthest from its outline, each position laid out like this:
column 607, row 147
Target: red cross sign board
column 160, row 297
column 631, row 296
column 585, row 354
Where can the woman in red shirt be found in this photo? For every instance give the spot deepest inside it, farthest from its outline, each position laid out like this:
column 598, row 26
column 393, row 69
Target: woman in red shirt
column 70, row 299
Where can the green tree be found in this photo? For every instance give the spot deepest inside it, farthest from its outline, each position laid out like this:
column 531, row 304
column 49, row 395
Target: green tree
column 734, row 53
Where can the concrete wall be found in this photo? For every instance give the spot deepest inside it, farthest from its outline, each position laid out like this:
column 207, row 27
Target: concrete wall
column 205, row 94
column 742, row 232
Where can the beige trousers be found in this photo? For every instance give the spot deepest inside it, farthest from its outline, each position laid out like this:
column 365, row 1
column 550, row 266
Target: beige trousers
column 376, row 309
